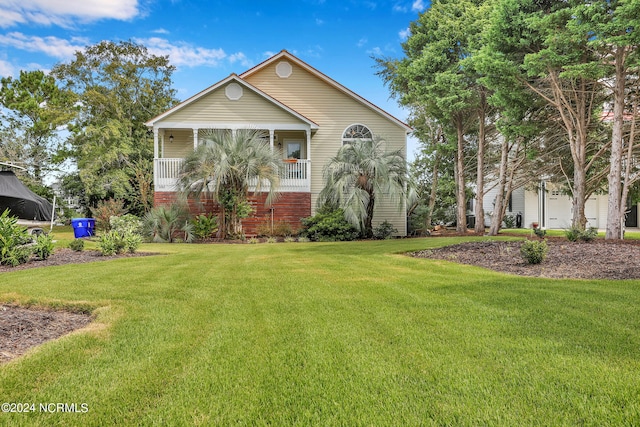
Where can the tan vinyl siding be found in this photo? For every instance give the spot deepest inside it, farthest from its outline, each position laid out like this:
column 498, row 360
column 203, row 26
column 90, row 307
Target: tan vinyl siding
column 216, row 107
column 181, row 146
column 334, row 111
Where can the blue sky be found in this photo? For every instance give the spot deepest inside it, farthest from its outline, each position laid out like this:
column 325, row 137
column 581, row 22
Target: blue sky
column 208, row 40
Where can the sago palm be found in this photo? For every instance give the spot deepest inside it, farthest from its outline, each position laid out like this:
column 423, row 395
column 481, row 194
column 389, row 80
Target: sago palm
column 360, row 172
column 225, row 166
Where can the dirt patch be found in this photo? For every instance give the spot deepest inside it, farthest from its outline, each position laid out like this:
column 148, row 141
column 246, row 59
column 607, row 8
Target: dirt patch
column 62, row 256
column 598, row 259
column 22, row 328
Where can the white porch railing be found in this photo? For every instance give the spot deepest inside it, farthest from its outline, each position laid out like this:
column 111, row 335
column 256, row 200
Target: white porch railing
column 296, row 176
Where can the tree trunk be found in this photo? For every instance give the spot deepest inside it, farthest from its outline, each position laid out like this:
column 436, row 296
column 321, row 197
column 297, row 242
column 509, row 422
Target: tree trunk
column 479, row 212
column 578, row 219
column 368, row 227
column 496, row 216
column 461, row 200
column 615, row 207
column 434, row 189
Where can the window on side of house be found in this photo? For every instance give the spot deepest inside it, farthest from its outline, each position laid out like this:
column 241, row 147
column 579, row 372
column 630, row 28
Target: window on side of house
column 355, row 132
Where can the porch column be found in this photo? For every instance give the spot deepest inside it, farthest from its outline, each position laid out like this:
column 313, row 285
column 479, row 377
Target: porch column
column 155, row 143
column 195, row 138
column 308, row 164
column 271, row 132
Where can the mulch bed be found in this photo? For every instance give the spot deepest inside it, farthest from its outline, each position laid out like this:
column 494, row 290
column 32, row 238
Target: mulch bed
column 598, row 259
column 22, row 328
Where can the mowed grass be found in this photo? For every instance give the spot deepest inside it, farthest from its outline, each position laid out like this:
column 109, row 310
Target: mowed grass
column 326, row 334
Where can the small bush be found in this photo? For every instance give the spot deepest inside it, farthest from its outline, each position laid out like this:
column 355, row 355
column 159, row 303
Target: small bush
column 105, row 210
column 43, row 247
column 574, row 234
column 329, row 225
column 589, row 234
column 111, row 243
column 204, row 225
column 540, row 232
column 303, row 239
column 76, row 245
column 253, row 240
column 271, row 240
column 131, row 242
column 289, row 239
column 384, row 230
column 278, row 229
column 163, row 224
column 534, row 252
column 126, row 224
column 509, row 221
column 13, row 239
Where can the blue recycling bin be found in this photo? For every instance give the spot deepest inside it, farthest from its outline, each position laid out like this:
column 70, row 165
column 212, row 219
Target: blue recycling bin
column 83, row 227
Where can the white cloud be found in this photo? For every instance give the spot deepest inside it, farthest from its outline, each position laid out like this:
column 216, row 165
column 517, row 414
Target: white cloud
column 418, row 6
column 240, row 57
column 362, row 42
column 376, row 51
column 399, row 8
column 404, row 34
column 51, row 46
column 268, row 54
column 160, row 31
column 65, row 12
column 6, row 69
column 319, row 21
column 183, row 54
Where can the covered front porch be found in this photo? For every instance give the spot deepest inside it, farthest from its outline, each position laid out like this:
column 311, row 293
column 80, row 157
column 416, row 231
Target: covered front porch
column 293, row 143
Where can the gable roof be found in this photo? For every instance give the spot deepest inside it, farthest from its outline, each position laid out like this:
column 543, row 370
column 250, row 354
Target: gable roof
column 285, row 54
column 232, row 78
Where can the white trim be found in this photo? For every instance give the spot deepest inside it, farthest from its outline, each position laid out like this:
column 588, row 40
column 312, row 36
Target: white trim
column 231, row 125
column 354, row 139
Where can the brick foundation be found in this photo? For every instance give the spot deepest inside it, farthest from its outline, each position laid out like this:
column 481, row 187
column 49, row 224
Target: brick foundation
column 289, row 208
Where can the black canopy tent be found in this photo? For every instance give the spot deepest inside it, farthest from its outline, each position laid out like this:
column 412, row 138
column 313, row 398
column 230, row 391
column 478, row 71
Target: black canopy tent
column 21, row 201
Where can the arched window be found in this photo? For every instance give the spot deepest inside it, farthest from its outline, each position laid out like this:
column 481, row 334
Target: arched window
column 354, row 132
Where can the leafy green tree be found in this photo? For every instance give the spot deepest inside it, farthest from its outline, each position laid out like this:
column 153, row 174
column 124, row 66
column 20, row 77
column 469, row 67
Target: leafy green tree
column 225, row 167
column 433, row 76
column 360, row 172
column 538, row 46
column 120, row 86
column 35, row 108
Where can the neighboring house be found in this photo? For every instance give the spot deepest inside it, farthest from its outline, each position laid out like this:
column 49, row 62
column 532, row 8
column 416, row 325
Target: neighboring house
column 307, row 116
column 552, row 209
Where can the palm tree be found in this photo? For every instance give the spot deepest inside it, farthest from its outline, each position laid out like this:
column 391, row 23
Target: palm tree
column 359, row 172
column 224, row 167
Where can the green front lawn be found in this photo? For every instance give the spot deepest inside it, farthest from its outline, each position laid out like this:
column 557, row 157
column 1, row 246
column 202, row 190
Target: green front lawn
column 326, row 334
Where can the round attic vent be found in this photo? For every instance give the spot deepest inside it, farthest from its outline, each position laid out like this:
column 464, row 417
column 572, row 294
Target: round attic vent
column 283, row 69
column 233, row 91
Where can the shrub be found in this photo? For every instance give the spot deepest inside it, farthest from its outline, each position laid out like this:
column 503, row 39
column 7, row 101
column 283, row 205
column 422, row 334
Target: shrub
column 253, row 240
column 271, row 240
column 534, row 252
column 384, row 230
column 277, row 229
column 303, row 239
column 105, row 210
column 111, row 243
column 329, row 225
column 43, row 247
column 289, row 239
column 509, row 221
column 204, row 225
column 540, row 232
column 126, row 224
column 76, row 245
column 13, row 239
column 589, row 234
column 574, row 234
column 163, row 224
column 131, row 242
